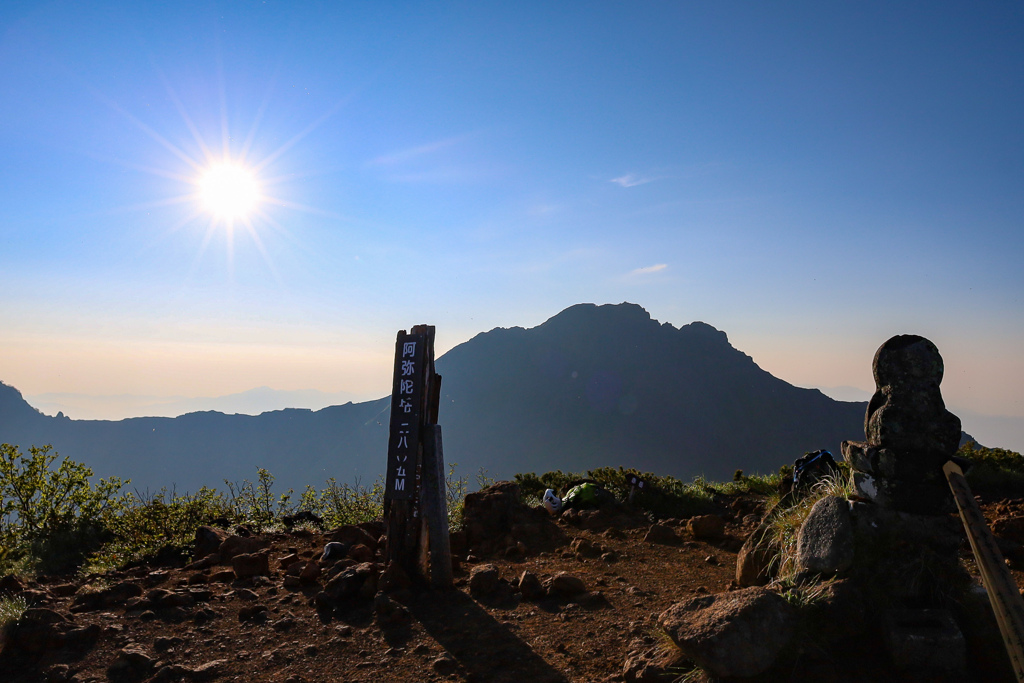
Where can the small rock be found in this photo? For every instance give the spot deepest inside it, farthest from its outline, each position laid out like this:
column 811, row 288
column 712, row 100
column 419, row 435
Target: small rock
column 224, row 576
column 389, row 612
column 310, row 573
column 334, row 551
column 361, row 553
column 250, row 565
column 444, row 665
column 287, row 561
column 115, row 595
column 130, row 664
column 284, row 624
column 10, row 584
column 664, row 535
column 393, row 579
column 483, row 580
column 63, row 590
column 566, row 585
column 208, row 671
column 1010, row 528
column 57, row 673
column 530, row 586
column 754, row 566
column 252, row 613
column 706, row 527
column 584, row 548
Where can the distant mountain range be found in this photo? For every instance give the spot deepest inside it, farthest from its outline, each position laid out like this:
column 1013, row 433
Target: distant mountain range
column 592, row 386
column 251, row 402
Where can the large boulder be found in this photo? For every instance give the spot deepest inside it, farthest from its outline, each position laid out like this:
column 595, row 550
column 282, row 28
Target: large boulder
column 240, row 545
column 738, row 634
column 496, row 520
column 824, row 544
column 208, row 540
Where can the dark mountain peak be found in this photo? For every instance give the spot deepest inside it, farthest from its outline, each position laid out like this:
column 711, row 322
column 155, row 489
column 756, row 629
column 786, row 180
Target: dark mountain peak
column 14, row 406
column 591, row 318
column 703, row 331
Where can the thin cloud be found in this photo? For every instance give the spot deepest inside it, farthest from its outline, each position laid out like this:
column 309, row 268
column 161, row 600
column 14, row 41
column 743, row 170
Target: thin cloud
column 631, row 180
column 648, row 270
column 411, row 153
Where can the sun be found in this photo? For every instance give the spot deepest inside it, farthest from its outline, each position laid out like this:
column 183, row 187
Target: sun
column 229, row 191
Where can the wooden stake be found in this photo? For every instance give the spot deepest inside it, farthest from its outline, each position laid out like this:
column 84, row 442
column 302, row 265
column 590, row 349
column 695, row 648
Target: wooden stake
column 435, row 508
column 1003, row 592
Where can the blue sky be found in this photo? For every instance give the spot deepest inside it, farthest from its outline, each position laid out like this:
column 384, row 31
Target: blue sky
column 811, row 178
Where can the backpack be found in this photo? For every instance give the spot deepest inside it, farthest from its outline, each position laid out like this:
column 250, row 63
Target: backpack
column 812, row 468
column 581, row 496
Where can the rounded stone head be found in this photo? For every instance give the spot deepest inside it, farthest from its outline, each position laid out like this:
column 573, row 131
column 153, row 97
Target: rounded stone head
column 907, row 359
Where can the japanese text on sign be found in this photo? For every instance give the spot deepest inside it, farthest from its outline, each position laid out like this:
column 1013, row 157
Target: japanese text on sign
column 403, row 442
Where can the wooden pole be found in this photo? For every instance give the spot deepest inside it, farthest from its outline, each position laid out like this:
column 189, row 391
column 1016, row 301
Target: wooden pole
column 1002, row 589
column 435, row 508
column 416, row 509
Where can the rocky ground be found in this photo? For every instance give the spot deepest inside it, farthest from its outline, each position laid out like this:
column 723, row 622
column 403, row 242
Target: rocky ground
column 271, row 608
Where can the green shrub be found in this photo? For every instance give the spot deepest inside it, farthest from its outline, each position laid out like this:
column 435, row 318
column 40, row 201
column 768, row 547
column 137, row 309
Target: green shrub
column 339, row 504
column 994, row 472
column 162, row 523
column 255, row 503
column 52, row 515
column 455, row 489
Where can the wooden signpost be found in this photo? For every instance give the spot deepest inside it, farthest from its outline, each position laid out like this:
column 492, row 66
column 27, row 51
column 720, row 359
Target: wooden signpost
column 635, row 484
column 1002, row 589
column 415, row 505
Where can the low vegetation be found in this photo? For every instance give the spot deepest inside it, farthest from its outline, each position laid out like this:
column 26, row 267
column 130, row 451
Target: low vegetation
column 54, row 517
column 52, row 514
column 11, row 610
column 665, row 495
column 785, row 520
column 994, row 472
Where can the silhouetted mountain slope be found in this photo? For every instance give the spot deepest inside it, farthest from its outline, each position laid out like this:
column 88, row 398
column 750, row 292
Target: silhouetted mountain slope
column 297, row 446
column 607, row 385
column 592, row 386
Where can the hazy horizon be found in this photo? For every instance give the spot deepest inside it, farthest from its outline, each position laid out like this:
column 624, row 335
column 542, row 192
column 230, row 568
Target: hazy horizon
column 990, row 430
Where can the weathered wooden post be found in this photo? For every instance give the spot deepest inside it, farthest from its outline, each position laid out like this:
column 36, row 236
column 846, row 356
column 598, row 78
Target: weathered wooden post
column 635, row 484
column 415, row 506
column 1003, row 593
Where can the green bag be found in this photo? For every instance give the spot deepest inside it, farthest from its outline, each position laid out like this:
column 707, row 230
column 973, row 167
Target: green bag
column 581, row 496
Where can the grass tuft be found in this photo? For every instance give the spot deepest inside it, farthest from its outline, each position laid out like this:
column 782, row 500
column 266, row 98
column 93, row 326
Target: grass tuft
column 11, row 609
column 784, row 525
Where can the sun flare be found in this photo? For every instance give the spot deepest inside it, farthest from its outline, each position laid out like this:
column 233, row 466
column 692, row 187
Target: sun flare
column 228, row 191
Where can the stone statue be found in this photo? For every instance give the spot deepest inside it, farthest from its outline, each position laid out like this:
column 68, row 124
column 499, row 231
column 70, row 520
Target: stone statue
column 910, row 434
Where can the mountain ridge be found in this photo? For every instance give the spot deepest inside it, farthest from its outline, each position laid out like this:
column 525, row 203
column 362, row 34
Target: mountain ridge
column 592, row 386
